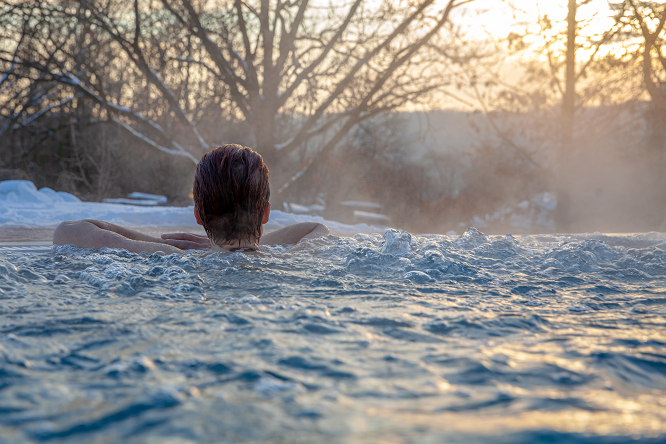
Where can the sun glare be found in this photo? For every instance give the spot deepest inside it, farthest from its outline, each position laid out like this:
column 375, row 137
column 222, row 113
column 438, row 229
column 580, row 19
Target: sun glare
column 497, row 18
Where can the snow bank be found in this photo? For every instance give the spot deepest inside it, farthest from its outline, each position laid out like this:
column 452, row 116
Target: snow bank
column 25, row 192
column 533, row 215
column 281, row 219
column 22, row 205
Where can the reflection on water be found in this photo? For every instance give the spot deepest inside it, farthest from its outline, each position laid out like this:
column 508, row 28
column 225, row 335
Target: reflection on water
column 392, row 338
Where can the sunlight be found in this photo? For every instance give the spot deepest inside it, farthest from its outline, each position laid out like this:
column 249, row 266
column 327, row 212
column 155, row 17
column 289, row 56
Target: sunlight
column 497, row 18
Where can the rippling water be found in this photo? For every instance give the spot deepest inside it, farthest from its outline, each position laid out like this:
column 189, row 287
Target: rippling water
column 392, row 338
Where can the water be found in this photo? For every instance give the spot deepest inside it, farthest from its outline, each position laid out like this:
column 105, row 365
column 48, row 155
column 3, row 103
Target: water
column 393, row 338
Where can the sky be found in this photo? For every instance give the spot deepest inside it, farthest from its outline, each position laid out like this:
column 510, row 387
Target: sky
column 496, row 19
column 499, row 17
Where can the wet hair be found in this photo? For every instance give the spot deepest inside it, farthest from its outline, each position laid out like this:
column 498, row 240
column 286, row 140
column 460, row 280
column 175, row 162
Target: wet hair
column 231, row 192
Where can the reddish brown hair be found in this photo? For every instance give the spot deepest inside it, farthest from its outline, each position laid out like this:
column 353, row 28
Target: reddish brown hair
column 231, row 192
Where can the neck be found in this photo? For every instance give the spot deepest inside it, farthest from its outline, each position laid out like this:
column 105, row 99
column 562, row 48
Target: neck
column 253, row 243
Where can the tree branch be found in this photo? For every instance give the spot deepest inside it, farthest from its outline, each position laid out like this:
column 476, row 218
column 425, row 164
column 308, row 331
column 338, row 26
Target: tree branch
column 301, row 136
column 327, row 49
column 218, row 58
column 135, row 54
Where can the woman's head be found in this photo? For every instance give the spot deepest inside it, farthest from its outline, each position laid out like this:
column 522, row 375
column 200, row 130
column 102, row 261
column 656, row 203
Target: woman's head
column 231, row 193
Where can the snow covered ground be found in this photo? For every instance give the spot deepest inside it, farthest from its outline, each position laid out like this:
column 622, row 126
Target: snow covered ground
column 22, row 205
column 535, row 215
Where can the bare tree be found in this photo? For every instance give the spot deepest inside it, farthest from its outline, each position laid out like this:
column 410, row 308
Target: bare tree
column 290, row 72
column 565, row 68
column 646, row 21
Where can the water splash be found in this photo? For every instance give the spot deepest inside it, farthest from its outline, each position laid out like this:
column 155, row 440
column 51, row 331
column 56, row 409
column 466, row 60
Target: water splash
column 409, row 338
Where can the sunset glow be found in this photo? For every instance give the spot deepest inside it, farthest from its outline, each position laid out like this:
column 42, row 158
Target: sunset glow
column 497, row 18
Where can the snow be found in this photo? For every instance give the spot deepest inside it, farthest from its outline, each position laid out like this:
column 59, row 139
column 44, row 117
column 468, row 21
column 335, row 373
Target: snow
column 279, row 219
column 119, row 107
column 140, row 202
column 22, row 205
column 145, row 196
column 372, row 216
column 534, row 215
column 361, row 204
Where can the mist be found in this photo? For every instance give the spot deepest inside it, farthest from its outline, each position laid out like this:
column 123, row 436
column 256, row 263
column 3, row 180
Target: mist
column 443, row 171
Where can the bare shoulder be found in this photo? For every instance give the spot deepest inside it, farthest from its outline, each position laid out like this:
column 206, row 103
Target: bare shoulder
column 319, row 230
column 69, row 231
column 91, row 233
column 293, row 234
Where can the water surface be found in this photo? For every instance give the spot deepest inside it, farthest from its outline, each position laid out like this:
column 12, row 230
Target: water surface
column 393, row 338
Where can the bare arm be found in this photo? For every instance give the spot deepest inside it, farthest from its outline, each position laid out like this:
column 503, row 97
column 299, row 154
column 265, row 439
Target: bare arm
column 90, row 233
column 187, row 241
column 284, row 236
column 293, row 234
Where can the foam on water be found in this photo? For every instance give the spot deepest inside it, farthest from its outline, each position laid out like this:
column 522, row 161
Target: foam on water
column 394, row 338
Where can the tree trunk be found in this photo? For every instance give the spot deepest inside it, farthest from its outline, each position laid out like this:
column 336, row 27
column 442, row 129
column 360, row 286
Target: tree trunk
column 655, row 116
column 563, row 214
column 264, row 137
column 656, row 155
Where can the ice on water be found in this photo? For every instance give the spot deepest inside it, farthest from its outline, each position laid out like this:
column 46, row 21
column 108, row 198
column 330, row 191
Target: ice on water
column 392, row 337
